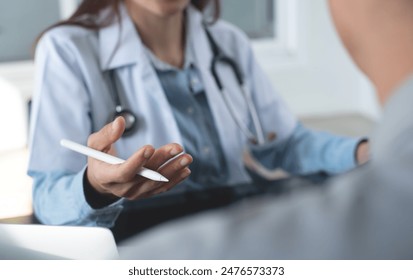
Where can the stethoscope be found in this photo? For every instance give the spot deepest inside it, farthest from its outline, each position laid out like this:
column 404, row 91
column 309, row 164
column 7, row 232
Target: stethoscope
column 218, row 57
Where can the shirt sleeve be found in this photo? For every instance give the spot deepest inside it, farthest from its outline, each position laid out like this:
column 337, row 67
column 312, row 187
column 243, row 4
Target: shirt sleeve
column 307, row 151
column 75, row 210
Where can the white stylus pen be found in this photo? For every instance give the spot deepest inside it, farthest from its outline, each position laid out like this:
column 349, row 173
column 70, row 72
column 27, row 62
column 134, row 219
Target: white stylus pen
column 147, row 173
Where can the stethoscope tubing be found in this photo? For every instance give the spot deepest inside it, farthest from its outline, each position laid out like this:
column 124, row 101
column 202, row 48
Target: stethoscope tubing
column 220, row 57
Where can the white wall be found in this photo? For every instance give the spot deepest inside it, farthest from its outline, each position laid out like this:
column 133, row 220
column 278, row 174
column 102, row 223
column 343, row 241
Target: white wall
column 314, row 73
column 15, row 185
column 13, row 118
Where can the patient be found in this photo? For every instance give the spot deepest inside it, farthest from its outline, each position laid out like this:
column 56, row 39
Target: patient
column 362, row 215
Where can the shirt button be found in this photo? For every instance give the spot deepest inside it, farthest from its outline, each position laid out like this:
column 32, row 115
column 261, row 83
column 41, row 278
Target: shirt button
column 206, row 150
column 190, row 110
column 194, row 82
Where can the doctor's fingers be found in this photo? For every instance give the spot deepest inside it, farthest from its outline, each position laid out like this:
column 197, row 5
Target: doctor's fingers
column 135, row 186
column 163, row 155
column 136, row 189
column 109, row 134
column 164, row 187
column 175, row 170
column 130, row 190
column 127, row 171
column 112, row 174
column 150, row 188
column 175, row 166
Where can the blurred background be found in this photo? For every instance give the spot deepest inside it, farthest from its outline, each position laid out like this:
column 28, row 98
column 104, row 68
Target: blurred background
column 294, row 41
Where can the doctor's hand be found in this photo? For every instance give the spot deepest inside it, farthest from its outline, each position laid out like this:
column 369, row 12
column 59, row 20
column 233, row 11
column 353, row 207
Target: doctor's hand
column 105, row 183
column 363, row 152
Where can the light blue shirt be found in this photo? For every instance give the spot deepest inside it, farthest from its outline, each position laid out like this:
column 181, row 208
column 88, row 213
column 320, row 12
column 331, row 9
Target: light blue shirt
column 186, row 94
column 72, row 100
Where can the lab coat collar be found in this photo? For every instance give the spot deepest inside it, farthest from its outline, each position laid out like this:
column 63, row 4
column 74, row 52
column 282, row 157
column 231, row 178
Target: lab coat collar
column 202, row 51
column 119, row 48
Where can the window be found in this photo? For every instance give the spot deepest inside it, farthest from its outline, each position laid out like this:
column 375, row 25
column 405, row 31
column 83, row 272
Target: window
column 271, row 24
column 256, row 18
column 20, row 23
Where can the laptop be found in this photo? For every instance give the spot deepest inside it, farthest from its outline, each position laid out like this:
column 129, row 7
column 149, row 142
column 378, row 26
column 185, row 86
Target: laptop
column 31, row 242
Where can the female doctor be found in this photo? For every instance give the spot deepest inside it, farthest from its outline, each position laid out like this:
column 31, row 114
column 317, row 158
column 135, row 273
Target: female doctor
column 172, row 79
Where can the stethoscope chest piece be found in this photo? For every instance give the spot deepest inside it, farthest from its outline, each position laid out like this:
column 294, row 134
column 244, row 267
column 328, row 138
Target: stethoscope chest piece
column 131, row 121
